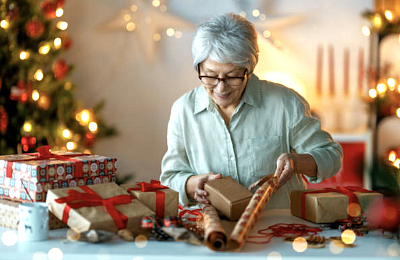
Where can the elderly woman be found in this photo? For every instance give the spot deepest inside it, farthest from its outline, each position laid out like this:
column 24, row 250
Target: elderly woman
column 238, row 125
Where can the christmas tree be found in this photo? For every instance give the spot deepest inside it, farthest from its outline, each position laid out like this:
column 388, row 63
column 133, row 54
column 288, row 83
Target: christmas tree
column 37, row 103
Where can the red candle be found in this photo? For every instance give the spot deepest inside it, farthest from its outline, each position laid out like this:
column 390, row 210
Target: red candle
column 346, row 71
column 331, row 71
column 360, row 71
column 319, row 71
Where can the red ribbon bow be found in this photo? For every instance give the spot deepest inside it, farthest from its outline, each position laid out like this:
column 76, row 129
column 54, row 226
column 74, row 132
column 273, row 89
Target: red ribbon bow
column 43, row 153
column 154, row 186
column 89, row 198
column 195, row 212
column 348, row 191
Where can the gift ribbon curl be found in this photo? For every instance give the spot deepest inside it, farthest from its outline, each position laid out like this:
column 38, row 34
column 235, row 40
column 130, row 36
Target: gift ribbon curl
column 89, row 198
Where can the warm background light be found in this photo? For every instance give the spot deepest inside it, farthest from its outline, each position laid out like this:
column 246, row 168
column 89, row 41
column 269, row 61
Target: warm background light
column 170, row 32
column 23, row 55
column 27, row 127
column 70, row 146
column 38, row 75
column 85, row 116
column 389, row 15
column 372, row 93
column 44, row 49
column 57, row 43
column 93, row 126
column 4, row 24
column 381, row 88
column 62, row 25
column 285, row 78
column 256, row 13
column 130, row 26
column 348, row 236
column 35, row 95
column 66, row 133
column 366, row 31
column 59, row 12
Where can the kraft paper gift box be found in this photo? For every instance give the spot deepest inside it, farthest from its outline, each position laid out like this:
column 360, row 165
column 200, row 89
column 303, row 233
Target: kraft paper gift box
column 28, row 177
column 105, row 206
column 9, row 216
column 228, row 196
column 329, row 206
column 161, row 199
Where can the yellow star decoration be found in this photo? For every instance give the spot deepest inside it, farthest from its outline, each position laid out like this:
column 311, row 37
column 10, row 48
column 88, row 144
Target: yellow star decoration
column 150, row 21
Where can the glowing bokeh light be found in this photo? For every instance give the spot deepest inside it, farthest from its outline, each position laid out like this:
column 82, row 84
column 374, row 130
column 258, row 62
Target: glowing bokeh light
column 93, row 126
column 62, row 25
column 336, row 247
column 59, row 12
column 44, row 49
column 55, row 254
column 70, row 146
column 38, row 75
column 134, row 8
column 39, row 255
column 256, row 13
column 4, row 24
column 372, row 93
column 389, row 15
column 27, row 127
column 131, row 26
column 57, row 43
column 170, row 32
column 348, row 236
column 274, row 256
column 35, row 95
column 366, row 31
column 72, row 235
column 393, row 249
column 354, row 209
column 9, row 238
column 23, row 55
column 156, row 3
column 156, row 37
column 66, row 133
column 392, row 156
column 141, row 241
column 299, row 244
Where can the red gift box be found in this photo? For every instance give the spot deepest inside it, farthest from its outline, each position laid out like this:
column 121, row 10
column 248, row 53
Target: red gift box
column 28, row 177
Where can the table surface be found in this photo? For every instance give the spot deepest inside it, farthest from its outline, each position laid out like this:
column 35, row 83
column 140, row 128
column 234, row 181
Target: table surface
column 373, row 245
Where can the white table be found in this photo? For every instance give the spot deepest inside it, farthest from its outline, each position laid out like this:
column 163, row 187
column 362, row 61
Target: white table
column 374, row 245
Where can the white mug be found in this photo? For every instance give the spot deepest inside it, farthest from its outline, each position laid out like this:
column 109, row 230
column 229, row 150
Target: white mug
column 33, row 221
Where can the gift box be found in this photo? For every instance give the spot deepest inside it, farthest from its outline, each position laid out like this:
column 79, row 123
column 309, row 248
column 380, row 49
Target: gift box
column 28, row 177
column 105, row 206
column 161, row 199
column 228, row 196
column 9, row 216
column 331, row 204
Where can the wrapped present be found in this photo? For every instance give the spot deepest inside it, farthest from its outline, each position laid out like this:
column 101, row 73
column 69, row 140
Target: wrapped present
column 105, row 206
column 228, row 196
column 161, row 199
column 9, row 216
column 330, row 204
column 28, row 177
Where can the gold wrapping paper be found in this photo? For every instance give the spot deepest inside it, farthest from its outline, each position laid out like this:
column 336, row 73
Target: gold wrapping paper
column 9, row 216
column 148, row 198
column 214, row 233
column 228, row 196
column 250, row 216
column 329, row 206
column 86, row 218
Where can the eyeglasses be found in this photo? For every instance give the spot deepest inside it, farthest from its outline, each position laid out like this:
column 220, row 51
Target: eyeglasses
column 231, row 81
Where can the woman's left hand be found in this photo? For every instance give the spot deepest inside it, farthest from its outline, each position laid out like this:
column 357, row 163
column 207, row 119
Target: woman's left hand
column 285, row 168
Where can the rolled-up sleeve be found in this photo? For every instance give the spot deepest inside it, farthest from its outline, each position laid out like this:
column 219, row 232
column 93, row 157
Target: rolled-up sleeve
column 307, row 137
column 175, row 167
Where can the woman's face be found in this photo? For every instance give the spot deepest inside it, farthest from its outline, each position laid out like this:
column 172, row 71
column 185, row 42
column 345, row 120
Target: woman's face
column 224, row 95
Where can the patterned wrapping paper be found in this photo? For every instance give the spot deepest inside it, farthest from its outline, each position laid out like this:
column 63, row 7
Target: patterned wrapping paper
column 32, row 179
column 250, row 216
column 98, row 217
column 9, row 216
column 214, row 233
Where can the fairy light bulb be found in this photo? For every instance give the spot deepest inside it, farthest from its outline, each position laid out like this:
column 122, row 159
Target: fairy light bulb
column 156, row 3
column 397, row 163
column 85, row 116
column 134, row 8
column 23, row 55
column 170, row 32
column 377, row 21
column 381, row 88
column 372, row 93
column 256, row 13
column 130, row 26
column 59, row 12
column 127, row 17
column 4, row 24
column 70, row 146
column 366, row 31
column 35, row 95
column 398, row 112
column 178, row 34
column 44, row 49
column 38, row 75
column 66, row 133
column 267, row 34
column 391, row 83
column 392, row 156
column 243, row 14
column 27, row 127
column 93, row 126
column 389, row 15
column 62, row 25
column 57, row 42
column 156, row 37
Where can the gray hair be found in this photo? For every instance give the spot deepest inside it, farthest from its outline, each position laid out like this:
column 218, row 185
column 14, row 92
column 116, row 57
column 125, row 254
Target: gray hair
column 226, row 38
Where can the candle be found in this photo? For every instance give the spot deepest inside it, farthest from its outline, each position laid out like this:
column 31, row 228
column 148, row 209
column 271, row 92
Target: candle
column 346, row 71
column 331, row 71
column 360, row 71
column 319, row 70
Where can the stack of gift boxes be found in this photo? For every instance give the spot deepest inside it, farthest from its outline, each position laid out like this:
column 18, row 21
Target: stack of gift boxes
column 80, row 191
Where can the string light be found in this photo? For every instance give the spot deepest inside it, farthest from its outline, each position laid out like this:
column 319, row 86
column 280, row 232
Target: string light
column 389, row 15
column 377, row 21
column 156, row 3
column 85, row 116
column 127, row 17
column 267, row 34
column 70, row 146
column 392, row 156
column 366, row 31
column 130, row 26
column 57, row 43
column 156, row 37
column 24, row 55
column 27, row 127
column 59, row 12
column 62, row 25
column 35, row 95
column 262, row 17
column 170, row 32
column 391, row 83
column 4, row 24
column 381, row 88
column 372, row 93
column 66, row 133
column 397, row 163
column 348, row 236
column 134, row 8
column 256, row 13
column 93, row 126
column 243, row 14
column 398, row 112
column 38, row 75
column 44, row 49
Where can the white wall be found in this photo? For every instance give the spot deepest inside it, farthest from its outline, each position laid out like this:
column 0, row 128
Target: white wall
column 111, row 65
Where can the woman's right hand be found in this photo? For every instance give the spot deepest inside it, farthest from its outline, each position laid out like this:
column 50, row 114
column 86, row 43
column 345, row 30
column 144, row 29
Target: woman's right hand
column 195, row 186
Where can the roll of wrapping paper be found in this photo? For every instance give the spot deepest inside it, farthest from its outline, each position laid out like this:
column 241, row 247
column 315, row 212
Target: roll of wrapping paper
column 250, row 216
column 214, row 233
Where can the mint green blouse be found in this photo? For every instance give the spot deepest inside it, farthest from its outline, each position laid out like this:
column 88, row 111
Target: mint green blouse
column 270, row 119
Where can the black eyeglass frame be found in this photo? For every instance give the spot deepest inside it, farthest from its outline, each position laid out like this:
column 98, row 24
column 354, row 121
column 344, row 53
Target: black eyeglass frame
column 220, row 79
